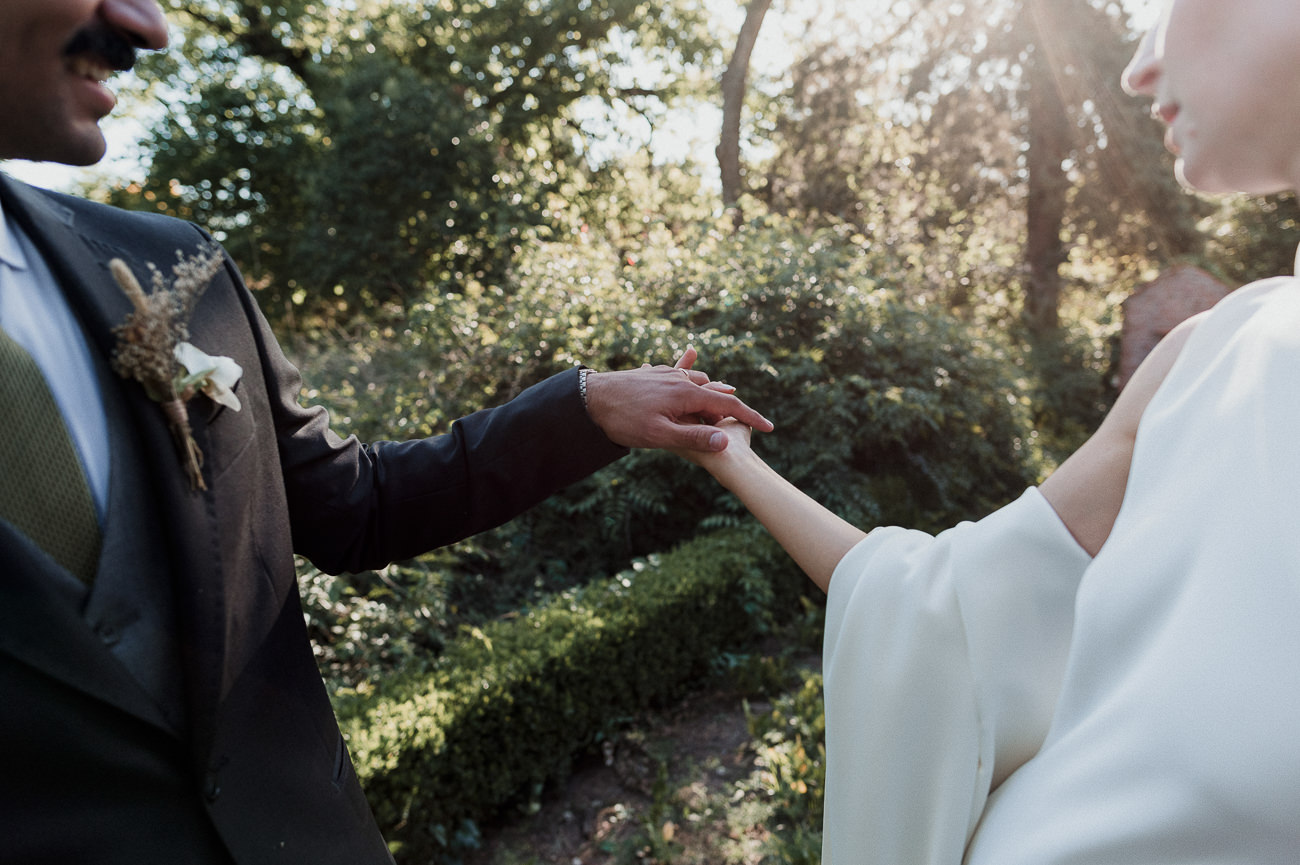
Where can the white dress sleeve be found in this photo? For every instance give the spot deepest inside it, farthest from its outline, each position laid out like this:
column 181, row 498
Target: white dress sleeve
column 943, row 660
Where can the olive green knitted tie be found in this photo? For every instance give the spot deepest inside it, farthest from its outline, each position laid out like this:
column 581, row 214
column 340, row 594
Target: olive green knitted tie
column 43, row 490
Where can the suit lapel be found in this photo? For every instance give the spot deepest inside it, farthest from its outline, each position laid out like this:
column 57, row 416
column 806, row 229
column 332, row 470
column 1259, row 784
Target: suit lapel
column 38, row 604
column 79, row 260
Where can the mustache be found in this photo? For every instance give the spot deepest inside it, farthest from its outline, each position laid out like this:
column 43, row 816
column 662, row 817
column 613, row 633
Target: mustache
column 106, row 44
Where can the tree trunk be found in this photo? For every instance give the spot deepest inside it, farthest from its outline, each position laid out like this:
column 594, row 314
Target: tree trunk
column 733, row 100
column 1049, row 147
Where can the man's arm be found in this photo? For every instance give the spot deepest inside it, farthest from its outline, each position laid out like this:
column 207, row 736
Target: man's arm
column 355, row 506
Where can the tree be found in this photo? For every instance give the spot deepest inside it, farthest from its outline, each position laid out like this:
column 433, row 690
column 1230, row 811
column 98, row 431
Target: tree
column 359, row 154
column 1255, row 238
column 1049, row 143
column 733, row 101
column 990, row 122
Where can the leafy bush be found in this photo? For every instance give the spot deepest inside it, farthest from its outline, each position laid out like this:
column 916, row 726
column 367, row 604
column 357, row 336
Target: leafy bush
column 1069, row 390
column 370, row 625
column 886, row 410
column 790, row 742
column 511, row 703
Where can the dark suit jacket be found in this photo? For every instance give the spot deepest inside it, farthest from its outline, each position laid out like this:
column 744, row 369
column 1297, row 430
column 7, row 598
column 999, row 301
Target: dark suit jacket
column 248, row 763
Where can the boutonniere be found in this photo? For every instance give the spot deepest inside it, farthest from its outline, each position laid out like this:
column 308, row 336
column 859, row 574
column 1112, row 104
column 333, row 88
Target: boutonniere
column 153, row 347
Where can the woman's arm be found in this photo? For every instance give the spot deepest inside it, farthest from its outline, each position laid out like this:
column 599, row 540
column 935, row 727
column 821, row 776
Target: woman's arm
column 813, row 536
column 1086, row 491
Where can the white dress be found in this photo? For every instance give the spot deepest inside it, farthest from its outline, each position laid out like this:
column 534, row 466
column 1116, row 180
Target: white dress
column 994, row 696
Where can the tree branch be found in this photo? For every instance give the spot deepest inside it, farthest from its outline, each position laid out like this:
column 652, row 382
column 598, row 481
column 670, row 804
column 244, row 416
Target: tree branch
column 255, row 38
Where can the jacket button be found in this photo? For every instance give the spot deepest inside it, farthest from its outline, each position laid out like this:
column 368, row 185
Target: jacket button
column 107, row 634
column 211, row 789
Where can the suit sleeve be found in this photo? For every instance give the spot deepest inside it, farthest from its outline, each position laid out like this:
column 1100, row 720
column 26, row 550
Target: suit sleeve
column 943, row 659
column 356, row 506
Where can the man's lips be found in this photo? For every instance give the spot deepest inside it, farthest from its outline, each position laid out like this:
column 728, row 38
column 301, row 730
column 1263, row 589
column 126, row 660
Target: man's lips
column 93, row 55
column 87, row 66
column 89, row 73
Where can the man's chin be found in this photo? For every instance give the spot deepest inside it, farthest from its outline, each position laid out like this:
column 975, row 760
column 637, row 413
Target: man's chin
column 86, row 148
column 83, row 160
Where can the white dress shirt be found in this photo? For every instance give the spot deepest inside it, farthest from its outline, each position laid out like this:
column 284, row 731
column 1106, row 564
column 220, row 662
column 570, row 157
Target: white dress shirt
column 34, row 312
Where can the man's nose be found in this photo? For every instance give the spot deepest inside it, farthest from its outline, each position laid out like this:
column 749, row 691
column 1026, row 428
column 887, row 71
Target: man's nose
column 1143, row 71
column 140, row 21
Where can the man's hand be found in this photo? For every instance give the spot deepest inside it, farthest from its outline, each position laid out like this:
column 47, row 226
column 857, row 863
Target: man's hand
column 674, row 407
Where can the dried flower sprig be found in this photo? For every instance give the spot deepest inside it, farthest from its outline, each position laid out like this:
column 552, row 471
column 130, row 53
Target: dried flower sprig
column 153, row 347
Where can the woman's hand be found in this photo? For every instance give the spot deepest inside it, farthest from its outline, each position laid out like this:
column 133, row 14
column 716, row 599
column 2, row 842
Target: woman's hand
column 738, row 446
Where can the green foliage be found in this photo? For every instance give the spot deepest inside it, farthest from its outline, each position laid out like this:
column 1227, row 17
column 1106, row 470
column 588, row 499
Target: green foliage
column 1069, row 390
column 368, row 626
column 887, row 410
column 915, row 414
column 1254, row 238
column 655, row 843
column 790, row 741
column 512, row 702
column 351, row 155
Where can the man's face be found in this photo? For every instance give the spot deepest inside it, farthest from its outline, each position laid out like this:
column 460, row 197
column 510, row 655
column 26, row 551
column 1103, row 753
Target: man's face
column 55, row 56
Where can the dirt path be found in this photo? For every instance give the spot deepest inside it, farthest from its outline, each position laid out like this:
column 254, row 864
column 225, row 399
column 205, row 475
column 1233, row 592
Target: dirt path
column 667, row 785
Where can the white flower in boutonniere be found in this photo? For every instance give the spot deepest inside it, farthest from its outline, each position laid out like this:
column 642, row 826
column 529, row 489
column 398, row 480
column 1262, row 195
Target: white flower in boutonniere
column 153, row 347
column 216, row 377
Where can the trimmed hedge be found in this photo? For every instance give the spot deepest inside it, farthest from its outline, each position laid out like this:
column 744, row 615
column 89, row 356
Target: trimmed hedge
column 511, row 704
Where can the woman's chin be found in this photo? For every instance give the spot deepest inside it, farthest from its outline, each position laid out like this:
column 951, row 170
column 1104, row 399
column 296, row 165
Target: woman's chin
column 1200, row 175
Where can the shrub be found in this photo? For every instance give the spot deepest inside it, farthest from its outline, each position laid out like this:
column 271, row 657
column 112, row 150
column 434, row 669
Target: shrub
column 369, row 625
column 790, row 743
column 512, row 702
column 887, row 410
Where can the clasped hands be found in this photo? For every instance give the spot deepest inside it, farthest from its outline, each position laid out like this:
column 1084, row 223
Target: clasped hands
column 674, row 407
